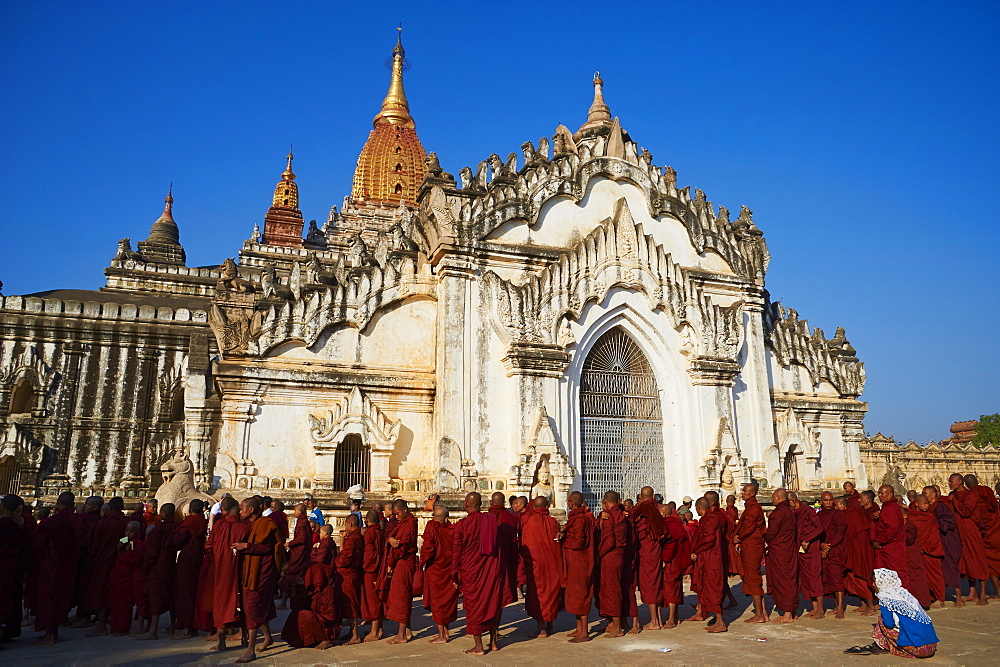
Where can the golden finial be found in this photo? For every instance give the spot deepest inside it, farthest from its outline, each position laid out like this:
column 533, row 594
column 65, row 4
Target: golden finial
column 288, row 175
column 395, row 108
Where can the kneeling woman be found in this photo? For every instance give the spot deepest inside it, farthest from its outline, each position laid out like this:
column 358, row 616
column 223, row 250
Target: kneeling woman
column 904, row 629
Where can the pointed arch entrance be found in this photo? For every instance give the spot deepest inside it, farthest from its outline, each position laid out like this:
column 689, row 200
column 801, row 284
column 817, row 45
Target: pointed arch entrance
column 621, row 423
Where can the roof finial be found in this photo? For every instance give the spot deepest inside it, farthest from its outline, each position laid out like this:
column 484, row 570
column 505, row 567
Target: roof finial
column 395, row 109
column 169, row 200
column 599, row 111
column 288, row 175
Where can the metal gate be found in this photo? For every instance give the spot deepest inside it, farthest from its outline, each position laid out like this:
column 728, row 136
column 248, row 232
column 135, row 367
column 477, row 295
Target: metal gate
column 621, row 426
column 351, row 464
column 791, row 471
column 10, row 476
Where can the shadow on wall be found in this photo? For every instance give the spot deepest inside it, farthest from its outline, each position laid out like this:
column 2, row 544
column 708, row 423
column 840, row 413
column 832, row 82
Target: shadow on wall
column 401, row 450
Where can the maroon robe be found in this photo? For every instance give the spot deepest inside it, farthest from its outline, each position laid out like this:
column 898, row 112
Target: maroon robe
column 436, row 557
column 630, row 569
column 280, row 520
column 709, row 577
column 189, row 540
column 507, row 550
column 104, row 540
column 834, row 523
column 889, row 532
column 350, row 569
column 965, row 504
column 782, row 557
column 125, row 586
column 542, row 558
column 611, row 557
column 676, row 557
column 161, row 567
column 479, row 571
column 951, row 542
column 85, row 565
column 55, row 549
column 315, row 615
column 989, row 516
column 650, row 529
column 931, row 551
column 578, row 561
column 13, row 559
column 401, row 562
column 204, row 595
column 226, row 531
column 372, row 608
column 917, row 584
column 810, row 580
column 259, row 566
column 750, row 529
column 298, row 552
column 732, row 553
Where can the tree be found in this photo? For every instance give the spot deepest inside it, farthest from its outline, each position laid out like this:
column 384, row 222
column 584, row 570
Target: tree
column 987, row 431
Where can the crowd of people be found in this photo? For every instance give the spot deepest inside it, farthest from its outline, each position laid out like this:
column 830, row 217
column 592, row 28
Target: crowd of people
column 220, row 570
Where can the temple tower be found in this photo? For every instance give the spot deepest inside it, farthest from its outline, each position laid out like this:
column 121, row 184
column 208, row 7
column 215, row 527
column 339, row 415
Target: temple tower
column 283, row 221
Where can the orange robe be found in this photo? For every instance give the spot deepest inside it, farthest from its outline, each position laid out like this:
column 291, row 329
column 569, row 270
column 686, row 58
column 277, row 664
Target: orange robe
column 810, row 530
column 542, row 558
column 260, row 563
column 436, row 557
column 732, row 555
column 889, row 531
column 161, row 567
column 55, row 550
column 578, row 561
column 507, row 550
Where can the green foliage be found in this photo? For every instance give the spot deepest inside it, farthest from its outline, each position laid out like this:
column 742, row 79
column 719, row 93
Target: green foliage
column 987, row 431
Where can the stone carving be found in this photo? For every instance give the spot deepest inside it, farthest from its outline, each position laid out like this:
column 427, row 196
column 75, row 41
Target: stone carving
column 235, row 324
column 562, row 141
column 255, row 236
column 231, row 278
column 269, row 280
column 178, row 482
column 841, row 347
column 542, row 485
column 542, row 468
column 670, row 177
column 358, row 255
column 399, row 241
column 125, row 252
column 314, row 270
column 315, row 236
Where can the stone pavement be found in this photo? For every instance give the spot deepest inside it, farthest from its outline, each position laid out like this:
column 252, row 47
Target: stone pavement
column 969, row 636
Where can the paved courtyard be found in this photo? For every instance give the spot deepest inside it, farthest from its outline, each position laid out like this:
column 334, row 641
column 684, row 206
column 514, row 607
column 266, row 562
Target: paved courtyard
column 969, row 636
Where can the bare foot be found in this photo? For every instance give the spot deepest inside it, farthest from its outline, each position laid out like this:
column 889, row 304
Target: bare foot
column 97, row 633
column 438, row 640
column 494, row 647
column 993, row 597
column 652, row 625
column 838, row 613
column 249, row 656
column 267, row 644
column 322, row 646
column 970, row 597
column 869, row 612
column 475, row 651
column 959, row 602
column 398, row 640
column 373, row 636
column 756, row 618
column 573, row 633
column 718, row 627
column 784, row 619
column 635, row 629
column 817, row 614
column 119, row 634
column 147, row 635
column 352, row 641
column 982, row 603
column 696, row 617
column 187, row 634
column 579, row 640
column 612, row 635
column 45, row 640
column 214, row 637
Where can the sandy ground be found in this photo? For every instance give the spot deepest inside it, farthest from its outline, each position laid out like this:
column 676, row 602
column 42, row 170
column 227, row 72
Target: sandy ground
column 969, row 636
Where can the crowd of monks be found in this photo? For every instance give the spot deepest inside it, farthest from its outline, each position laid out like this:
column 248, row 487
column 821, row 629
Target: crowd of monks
column 222, row 573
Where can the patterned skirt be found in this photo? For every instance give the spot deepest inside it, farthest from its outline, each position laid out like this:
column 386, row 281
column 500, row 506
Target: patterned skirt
column 888, row 639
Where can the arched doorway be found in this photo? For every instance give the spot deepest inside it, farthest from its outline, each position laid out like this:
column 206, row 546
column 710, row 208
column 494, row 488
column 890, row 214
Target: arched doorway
column 621, row 425
column 21, row 398
column 791, row 469
column 10, row 476
column 352, row 464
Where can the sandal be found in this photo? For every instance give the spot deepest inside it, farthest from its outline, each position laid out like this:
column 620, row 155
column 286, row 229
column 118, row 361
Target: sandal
column 859, row 650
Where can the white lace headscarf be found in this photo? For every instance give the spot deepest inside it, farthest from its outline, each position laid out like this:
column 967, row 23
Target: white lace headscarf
column 897, row 599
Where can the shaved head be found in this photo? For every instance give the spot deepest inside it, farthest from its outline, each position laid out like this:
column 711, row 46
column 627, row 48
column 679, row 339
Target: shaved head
column 498, row 499
column 613, row 497
column 373, row 517
column 440, row 513
column 826, row 495
column 646, row 493
column 576, row 499
column 473, row 500
column 779, row 495
column 703, row 503
column 540, row 502
column 971, row 480
column 351, row 521
column 712, row 497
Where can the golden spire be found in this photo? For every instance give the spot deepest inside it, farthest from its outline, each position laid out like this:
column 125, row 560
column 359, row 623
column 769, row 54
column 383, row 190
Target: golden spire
column 288, row 175
column 395, row 109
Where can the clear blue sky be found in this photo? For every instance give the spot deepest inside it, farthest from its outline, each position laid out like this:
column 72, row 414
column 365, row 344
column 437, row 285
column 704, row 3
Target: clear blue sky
column 864, row 136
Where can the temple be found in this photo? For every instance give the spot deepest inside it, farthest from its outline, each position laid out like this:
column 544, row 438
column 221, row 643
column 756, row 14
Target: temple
column 566, row 317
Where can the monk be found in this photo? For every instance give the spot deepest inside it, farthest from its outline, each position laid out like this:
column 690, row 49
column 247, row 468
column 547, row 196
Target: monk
column 506, row 546
column 315, row 616
column 280, row 519
column 917, row 585
column 479, row 573
column 400, row 567
column 651, row 530
column 126, row 581
column 676, row 557
column 951, row 543
column 749, row 539
column 833, row 549
column 782, row 557
column 868, row 504
column 161, row 570
column 13, row 560
column 708, row 552
column 227, row 529
column 578, row 560
column 437, row 559
column 810, row 532
column 89, row 517
column 518, row 507
column 965, row 504
column 611, row 556
column 542, row 558
column 372, row 609
column 931, row 550
column 859, row 556
column 989, row 516
column 630, row 570
column 733, row 559
column 350, row 572
column 189, row 543
column 852, row 496
column 104, row 539
column 261, row 557
column 889, row 534
column 298, row 552
column 55, row 549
